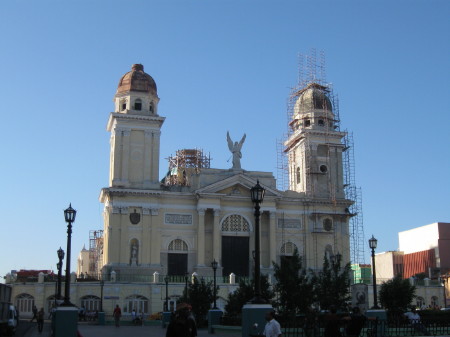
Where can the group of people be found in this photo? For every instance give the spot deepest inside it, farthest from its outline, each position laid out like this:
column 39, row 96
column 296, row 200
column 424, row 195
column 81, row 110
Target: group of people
column 87, row 315
column 39, row 316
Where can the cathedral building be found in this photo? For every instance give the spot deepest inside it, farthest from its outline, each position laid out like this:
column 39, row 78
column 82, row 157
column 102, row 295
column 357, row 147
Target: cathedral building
column 159, row 233
column 198, row 214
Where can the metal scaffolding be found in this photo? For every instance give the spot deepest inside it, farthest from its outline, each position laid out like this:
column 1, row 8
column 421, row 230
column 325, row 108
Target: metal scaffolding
column 184, row 164
column 95, row 252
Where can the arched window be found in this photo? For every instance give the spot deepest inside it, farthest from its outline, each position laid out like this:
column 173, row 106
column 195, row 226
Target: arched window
column 179, row 245
column 235, row 223
column 327, row 224
column 434, row 301
column 90, row 303
column 136, row 302
column 288, row 248
column 151, row 107
column 51, row 303
column 138, row 104
column 24, row 303
column 123, row 104
column 298, row 175
column 420, row 302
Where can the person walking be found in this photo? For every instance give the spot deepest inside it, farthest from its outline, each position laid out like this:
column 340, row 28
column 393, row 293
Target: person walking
column 34, row 310
column 272, row 328
column 356, row 322
column 414, row 320
column 40, row 320
column 182, row 323
column 117, row 313
column 332, row 323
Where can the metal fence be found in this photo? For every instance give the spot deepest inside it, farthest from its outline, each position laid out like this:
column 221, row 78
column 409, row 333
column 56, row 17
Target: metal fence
column 382, row 328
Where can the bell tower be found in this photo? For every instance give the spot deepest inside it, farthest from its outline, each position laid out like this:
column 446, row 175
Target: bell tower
column 135, row 128
column 315, row 146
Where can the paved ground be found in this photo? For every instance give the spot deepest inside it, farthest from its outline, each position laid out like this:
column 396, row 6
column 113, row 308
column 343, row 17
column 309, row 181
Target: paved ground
column 88, row 330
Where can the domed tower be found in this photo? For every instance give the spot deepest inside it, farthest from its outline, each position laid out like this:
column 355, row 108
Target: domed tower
column 135, row 128
column 314, row 147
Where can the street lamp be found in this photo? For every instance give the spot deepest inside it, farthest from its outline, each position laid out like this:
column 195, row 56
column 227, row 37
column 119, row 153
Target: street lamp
column 166, row 279
column 373, row 244
column 443, row 281
column 214, row 267
column 102, row 283
column 186, row 278
column 257, row 195
column 59, row 266
column 69, row 216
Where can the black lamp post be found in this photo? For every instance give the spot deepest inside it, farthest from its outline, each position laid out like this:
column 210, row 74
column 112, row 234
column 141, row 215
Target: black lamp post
column 214, row 267
column 257, row 195
column 59, row 266
column 373, row 244
column 186, row 278
column 69, row 216
column 166, row 279
column 102, row 283
column 443, row 281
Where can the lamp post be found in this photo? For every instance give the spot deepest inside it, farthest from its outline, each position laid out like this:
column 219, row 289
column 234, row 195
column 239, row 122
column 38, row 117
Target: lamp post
column 257, row 195
column 102, row 283
column 214, row 267
column 373, row 244
column 443, row 281
column 186, row 278
column 166, row 279
column 59, row 266
column 69, row 216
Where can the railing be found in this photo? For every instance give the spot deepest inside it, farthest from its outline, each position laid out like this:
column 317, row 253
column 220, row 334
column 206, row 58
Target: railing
column 430, row 327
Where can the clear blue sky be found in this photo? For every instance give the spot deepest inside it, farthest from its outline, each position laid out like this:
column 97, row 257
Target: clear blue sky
column 219, row 66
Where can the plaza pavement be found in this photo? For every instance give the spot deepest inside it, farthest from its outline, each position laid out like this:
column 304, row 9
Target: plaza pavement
column 90, row 330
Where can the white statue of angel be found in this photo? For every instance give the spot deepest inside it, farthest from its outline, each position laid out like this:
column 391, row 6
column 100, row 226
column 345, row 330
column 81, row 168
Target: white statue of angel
column 236, row 150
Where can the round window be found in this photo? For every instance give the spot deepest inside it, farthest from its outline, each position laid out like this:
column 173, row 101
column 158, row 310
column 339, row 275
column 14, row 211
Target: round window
column 323, row 168
column 327, row 224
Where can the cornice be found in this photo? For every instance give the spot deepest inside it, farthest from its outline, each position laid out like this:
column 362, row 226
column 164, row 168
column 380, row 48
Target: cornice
column 119, row 116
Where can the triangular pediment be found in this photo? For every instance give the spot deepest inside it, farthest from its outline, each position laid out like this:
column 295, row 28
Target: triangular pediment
column 238, row 184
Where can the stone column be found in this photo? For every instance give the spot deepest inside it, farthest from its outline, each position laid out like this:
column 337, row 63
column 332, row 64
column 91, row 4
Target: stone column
column 201, row 237
column 217, row 238
column 272, row 239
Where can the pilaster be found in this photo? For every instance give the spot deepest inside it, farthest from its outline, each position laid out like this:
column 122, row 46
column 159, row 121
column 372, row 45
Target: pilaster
column 272, row 238
column 201, row 237
column 217, row 237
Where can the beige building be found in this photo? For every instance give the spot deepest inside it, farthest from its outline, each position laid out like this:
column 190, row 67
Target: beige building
column 196, row 214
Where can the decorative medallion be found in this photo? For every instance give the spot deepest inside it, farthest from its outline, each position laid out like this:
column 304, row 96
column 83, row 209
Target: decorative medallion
column 135, row 217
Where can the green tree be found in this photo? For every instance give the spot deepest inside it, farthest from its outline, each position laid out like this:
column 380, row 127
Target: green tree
column 200, row 296
column 332, row 284
column 244, row 293
column 396, row 294
column 293, row 287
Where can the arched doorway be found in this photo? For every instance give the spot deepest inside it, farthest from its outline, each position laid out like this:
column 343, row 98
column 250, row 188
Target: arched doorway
column 177, row 258
column 235, row 245
column 24, row 303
